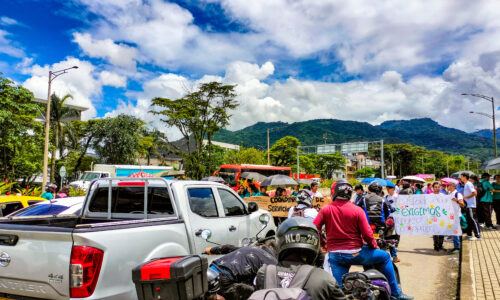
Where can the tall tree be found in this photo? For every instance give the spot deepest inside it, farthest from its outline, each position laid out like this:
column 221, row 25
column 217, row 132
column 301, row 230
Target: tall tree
column 198, row 116
column 284, row 151
column 59, row 113
column 117, row 141
column 246, row 156
column 19, row 131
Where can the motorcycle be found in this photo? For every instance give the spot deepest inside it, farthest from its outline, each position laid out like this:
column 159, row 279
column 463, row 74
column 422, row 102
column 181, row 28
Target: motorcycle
column 371, row 284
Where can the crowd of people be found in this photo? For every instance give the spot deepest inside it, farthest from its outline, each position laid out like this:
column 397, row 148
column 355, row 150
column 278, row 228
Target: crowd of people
column 338, row 236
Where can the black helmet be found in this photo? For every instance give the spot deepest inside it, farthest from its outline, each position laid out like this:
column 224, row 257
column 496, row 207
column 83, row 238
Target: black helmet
column 297, row 241
column 305, row 197
column 375, row 187
column 341, row 189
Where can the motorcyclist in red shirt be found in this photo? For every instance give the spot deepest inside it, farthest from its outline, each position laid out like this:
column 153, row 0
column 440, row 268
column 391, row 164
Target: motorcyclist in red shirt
column 349, row 238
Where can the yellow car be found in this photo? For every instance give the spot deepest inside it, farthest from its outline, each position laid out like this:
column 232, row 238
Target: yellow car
column 9, row 204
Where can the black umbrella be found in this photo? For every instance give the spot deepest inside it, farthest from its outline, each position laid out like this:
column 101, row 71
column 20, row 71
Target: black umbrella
column 306, row 181
column 213, row 179
column 493, row 164
column 253, row 176
column 279, row 180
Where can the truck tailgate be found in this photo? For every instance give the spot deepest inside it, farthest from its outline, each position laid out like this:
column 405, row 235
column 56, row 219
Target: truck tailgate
column 38, row 264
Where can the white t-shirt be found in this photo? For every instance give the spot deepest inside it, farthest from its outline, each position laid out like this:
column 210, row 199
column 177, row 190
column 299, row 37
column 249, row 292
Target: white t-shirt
column 468, row 190
column 317, row 194
column 392, row 198
column 310, row 213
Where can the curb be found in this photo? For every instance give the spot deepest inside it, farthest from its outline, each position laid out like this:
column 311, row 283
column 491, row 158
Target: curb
column 466, row 285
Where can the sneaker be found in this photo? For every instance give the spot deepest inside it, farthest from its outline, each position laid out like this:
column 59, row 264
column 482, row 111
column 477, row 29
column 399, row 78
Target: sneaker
column 491, row 228
column 402, row 297
column 454, row 251
column 472, row 238
column 481, row 225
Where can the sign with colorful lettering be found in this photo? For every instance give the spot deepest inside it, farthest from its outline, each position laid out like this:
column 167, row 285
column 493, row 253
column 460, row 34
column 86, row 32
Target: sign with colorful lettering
column 279, row 206
column 427, row 214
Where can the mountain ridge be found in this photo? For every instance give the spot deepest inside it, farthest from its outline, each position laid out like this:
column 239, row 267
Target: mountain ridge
column 422, row 132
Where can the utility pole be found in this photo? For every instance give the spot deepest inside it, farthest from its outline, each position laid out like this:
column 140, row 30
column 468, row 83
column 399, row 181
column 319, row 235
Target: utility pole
column 325, row 136
column 392, row 163
column 382, row 171
column 52, row 76
column 492, row 116
column 268, row 157
column 447, row 167
column 298, row 162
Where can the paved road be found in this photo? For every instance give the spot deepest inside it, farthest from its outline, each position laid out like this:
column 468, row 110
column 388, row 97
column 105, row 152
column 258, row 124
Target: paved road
column 425, row 274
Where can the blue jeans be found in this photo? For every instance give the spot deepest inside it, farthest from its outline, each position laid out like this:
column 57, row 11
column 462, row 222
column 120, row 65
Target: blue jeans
column 456, row 242
column 393, row 251
column 341, row 263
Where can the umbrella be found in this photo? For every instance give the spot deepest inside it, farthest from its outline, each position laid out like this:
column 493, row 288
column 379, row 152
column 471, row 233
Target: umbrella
column 279, row 180
column 449, row 180
column 413, row 178
column 213, row 179
column 423, row 176
column 457, row 175
column 140, row 174
column 305, row 181
column 253, row 176
column 382, row 182
column 491, row 164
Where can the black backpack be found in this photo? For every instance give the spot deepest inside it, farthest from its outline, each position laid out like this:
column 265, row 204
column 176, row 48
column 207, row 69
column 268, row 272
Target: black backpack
column 480, row 191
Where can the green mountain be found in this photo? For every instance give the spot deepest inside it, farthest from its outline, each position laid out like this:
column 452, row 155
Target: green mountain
column 422, row 132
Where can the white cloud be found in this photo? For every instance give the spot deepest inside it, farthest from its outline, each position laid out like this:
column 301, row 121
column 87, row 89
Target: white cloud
column 6, row 46
column 117, row 54
column 112, row 79
column 7, row 21
column 82, row 83
column 387, row 97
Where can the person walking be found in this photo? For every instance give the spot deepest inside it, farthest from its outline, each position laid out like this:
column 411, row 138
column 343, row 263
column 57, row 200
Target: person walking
column 349, row 238
column 459, row 199
column 496, row 198
column 438, row 239
column 487, row 201
column 470, row 197
column 406, row 189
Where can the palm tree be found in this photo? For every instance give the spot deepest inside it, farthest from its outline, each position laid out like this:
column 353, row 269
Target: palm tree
column 58, row 114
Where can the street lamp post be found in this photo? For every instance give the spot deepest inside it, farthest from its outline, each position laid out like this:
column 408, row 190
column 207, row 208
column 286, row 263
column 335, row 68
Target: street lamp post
column 52, row 75
column 492, row 116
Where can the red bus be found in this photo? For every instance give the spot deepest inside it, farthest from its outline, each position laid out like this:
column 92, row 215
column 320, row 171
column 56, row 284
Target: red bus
column 231, row 173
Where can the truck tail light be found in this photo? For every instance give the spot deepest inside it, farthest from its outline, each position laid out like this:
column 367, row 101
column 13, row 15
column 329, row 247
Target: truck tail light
column 85, row 267
column 131, row 183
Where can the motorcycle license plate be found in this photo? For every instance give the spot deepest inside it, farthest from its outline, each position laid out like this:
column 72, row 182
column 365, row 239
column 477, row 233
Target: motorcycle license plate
column 376, row 235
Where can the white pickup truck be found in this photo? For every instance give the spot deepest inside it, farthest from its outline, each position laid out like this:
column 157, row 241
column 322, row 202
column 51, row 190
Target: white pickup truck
column 120, row 226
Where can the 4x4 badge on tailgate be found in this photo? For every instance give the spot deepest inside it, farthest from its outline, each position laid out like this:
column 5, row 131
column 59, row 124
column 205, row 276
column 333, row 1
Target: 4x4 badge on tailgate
column 4, row 259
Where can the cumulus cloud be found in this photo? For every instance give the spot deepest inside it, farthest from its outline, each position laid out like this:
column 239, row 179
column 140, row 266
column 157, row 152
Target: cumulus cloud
column 387, row 97
column 117, row 54
column 6, row 46
column 81, row 83
column 112, row 79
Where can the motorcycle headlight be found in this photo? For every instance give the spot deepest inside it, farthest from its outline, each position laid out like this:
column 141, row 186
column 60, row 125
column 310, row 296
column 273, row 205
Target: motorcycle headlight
column 264, row 219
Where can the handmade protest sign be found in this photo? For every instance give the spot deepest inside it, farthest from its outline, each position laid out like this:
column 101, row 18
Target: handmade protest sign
column 426, row 214
column 279, row 206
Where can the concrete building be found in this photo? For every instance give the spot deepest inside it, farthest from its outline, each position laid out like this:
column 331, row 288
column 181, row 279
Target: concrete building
column 79, row 109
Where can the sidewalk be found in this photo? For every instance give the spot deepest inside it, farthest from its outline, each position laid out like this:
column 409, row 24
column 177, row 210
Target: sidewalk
column 481, row 267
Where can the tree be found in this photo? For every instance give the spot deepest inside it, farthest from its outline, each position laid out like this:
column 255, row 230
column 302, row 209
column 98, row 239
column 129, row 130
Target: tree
column 153, row 142
column 246, row 156
column 364, row 172
column 84, row 134
column 198, row 116
column 284, row 151
column 19, row 132
column 117, row 141
column 58, row 114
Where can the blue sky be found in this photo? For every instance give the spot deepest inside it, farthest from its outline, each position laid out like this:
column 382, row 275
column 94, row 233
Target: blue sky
column 291, row 61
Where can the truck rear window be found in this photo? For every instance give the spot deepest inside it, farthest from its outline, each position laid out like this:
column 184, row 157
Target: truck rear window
column 131, row 200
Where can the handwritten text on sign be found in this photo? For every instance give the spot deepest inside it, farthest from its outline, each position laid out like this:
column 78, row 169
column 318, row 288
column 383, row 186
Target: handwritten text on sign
column 427, row 214
column 279, row 206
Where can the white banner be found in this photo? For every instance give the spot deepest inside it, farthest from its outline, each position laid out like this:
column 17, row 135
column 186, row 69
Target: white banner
column 427, row 214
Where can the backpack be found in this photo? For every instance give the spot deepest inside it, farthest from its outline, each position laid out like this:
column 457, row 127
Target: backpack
column 480, row 191
column 273, row 291
column 298, row 212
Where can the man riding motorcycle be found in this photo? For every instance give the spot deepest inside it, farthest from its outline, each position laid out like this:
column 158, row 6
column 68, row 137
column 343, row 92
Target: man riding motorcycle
column 298, row 246
column 346, row 229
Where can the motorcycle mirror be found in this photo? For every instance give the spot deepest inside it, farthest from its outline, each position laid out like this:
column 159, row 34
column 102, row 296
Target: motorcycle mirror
column 264, row 219
column 206, row 234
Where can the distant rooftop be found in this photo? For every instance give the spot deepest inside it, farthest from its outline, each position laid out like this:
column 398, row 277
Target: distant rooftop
column 79, row 108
